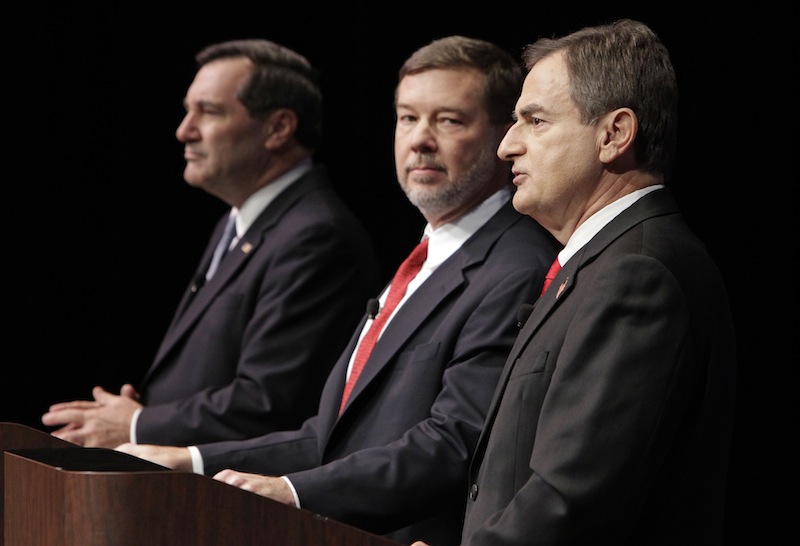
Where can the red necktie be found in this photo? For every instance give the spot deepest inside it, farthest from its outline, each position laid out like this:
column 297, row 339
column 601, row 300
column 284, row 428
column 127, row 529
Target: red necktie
column 407, row 271
column 551, row 274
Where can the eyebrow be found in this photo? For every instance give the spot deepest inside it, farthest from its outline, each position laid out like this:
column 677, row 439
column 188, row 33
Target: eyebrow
column 529, row 110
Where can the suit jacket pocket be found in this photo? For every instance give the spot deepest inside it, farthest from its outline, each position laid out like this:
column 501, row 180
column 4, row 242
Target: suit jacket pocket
column 519, row 414
column 527, row 364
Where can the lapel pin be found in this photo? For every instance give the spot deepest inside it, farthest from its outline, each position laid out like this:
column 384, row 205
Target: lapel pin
column 562, row 287
column 247, row 247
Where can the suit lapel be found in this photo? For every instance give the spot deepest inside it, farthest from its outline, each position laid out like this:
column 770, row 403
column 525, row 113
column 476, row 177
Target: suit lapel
column 197, row 306
column 409, row 318
column 194, row 304
column 657, row 203
column 447, row 278
column 199, row 277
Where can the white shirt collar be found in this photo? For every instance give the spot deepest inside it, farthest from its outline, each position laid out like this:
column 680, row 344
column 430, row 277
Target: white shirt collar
column 448, row 238
column 597, row 221
column 256, row 203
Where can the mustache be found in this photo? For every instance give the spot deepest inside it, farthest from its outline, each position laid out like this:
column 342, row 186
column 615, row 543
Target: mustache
column 426, row 162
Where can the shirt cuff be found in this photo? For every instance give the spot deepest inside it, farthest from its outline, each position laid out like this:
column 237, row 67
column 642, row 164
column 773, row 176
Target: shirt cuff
column 134, row 419
column 294, row 492
column 197, row 460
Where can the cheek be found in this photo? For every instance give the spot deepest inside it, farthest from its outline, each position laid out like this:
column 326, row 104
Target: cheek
column 400, row 149
column 241, row 149
column 400, row 156
column 562, row 160
column 401, row 143
column 547, row 170
column 579, row 163
column 462, row 156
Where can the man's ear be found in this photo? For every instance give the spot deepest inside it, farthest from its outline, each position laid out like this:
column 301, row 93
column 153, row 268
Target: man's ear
column 280, row 128
column 618, row 130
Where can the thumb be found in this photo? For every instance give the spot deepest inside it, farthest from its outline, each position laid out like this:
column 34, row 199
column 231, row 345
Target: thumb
column 128, row 391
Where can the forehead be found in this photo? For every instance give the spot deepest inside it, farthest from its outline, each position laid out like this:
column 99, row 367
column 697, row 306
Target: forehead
column 220, row 79
column 452, row 88
column 546, row 86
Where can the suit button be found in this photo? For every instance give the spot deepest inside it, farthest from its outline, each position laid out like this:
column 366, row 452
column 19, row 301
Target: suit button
column 473, row 491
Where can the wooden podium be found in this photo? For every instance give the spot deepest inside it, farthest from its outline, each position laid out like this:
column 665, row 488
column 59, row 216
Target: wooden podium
column 16, row 436
column 74, row 496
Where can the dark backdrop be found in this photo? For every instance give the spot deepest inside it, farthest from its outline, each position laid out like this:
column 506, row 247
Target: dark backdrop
column 103, row 234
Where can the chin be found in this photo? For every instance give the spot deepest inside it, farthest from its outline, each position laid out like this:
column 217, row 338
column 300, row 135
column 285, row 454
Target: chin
column 193, row 178
column 518, row 200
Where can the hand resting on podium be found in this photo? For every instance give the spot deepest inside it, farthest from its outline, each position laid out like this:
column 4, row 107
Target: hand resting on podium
column 179, row 458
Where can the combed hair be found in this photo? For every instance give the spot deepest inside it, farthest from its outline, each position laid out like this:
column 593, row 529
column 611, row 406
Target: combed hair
column 622, row 64
column 502, row 75
column 281, row 78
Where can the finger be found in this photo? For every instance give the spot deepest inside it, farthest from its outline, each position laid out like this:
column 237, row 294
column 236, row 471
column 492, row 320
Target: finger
column 70, row 435
column 227, row 476
column 221, row 475
column 75, row 404
column 127, row 447
column 64, row 417
column 101, row 395
column 68, row 427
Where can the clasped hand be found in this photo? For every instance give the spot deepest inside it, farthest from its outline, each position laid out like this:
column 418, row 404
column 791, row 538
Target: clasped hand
column 102, row 422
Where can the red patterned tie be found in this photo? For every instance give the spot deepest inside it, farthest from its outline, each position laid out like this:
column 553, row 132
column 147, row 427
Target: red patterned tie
column 551, row 274
column 407, row 271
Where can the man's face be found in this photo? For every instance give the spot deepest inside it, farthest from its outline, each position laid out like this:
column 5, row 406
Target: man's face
column 224, row 146
column 554, row 154
column 444, row 144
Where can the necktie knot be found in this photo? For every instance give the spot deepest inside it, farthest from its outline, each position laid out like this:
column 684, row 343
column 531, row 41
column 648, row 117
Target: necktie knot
column 405, row 273
column 551, row 274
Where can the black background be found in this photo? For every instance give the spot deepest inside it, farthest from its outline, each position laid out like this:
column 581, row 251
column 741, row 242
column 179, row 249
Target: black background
column 102, row 234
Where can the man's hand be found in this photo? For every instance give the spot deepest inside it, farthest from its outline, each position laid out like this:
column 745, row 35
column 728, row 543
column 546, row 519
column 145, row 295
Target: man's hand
column 266, row 486
column 102, row 422
column 176, row 458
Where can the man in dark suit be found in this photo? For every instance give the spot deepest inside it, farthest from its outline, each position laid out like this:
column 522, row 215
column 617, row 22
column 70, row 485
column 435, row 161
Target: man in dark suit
column 612, row 419
column 394, row 461
column 255, row 335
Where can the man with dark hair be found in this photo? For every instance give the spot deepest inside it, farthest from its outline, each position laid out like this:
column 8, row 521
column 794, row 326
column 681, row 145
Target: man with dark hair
column 611, row 424
column 283, row 281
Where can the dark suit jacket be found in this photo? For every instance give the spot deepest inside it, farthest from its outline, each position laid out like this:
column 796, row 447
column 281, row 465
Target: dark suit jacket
column 612, row 420
column 398, row 455
column 249, row 352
